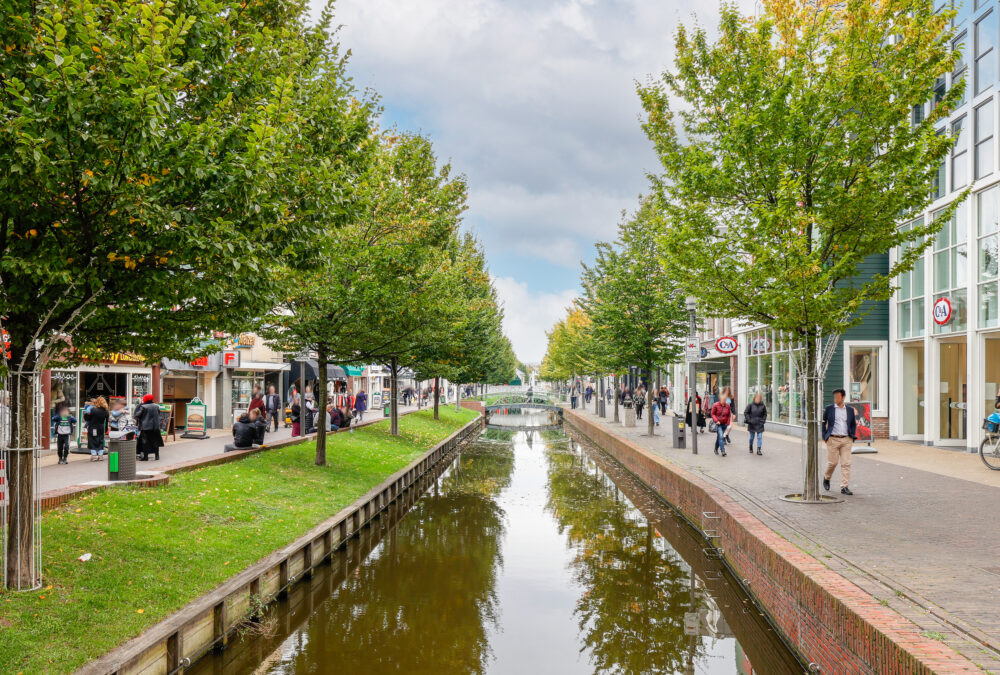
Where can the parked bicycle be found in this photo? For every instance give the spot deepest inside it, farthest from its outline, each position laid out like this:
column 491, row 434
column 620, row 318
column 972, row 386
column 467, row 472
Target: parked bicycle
column 989, row 449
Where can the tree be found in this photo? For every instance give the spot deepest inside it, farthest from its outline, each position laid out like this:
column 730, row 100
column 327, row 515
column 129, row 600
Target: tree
column 570, row 349
column 792, row 160
column 142, row 150
column 633, row 303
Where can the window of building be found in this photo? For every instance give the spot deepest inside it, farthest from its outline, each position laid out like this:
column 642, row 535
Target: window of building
column 984, row 139
column 963, row 10
column 940, row 188
column 865, row 373
column 961, row 67
column 959, row 155
column 951, row 271
column 910, row 300
column 986, row 53
column 988, row 232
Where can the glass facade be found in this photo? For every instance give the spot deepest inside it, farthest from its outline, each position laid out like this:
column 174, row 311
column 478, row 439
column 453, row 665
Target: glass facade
column 951, row 253
column 988, row 233
column 910, row 316
column 771, row 372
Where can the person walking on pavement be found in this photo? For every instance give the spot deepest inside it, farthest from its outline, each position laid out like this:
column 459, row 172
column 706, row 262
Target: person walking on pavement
column 360, row 405
column 97, row 427
column 639, row 401
column 574, row 394
column 662, row 399
column 722, row 416
column 63, row 426
column 754, row 417
column 296, row 415
column 256, row 400
column 273, row 407
column 840, row 429
column 147, row 418
column 588, row 392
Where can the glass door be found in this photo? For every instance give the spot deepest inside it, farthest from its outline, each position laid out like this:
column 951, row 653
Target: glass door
column 953, row 391
column 913, row 390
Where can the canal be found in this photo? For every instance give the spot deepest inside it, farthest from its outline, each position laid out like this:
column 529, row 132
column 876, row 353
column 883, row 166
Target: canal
column 527, row 553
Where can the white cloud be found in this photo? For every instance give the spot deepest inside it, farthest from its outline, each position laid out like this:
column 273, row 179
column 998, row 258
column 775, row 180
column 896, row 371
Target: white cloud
column 528, row 314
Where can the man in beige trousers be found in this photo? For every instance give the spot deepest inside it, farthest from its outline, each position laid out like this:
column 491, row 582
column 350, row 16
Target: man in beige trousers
column 839, row 431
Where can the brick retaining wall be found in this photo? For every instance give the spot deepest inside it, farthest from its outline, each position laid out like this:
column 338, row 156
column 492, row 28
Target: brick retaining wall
column 829, row 620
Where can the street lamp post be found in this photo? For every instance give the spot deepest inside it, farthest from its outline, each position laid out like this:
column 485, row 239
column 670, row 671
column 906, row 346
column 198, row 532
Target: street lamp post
column 692, row 306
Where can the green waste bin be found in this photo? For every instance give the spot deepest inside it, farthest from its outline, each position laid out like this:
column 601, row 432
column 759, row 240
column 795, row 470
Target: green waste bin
column 387, row 410
column 121, row 460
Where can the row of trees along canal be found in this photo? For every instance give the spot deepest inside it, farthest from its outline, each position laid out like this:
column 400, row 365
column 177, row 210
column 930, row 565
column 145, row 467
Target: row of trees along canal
column 171, row 170
column 791, row 158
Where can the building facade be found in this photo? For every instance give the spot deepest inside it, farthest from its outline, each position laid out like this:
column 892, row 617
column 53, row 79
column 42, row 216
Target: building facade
column 944, row 321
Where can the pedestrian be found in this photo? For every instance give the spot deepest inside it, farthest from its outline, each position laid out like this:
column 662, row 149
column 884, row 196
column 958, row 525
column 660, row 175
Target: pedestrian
column 840, row 429
column 63, row 426
column 335, row 417
column 120, row 424
column 147, row 418
column 296, row 415
column 639, row 401
column 656, row 414
column 97, row 427
column 727, row 398
column 627, row 400
column 574, row 394
column 273, row 407
column 721, row 415
column 662, row 399
column 588, row 393
column 360, row 406
column 256, row 400
column 754, row 417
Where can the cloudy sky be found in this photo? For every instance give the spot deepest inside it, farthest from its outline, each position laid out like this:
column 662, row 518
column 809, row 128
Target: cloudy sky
column 534, row 100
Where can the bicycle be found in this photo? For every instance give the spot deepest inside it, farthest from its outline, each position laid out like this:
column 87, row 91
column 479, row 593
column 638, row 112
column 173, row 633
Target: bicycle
column 989, row 449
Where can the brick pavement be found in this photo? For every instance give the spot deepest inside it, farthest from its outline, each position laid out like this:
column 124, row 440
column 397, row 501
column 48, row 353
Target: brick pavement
column 918, row 539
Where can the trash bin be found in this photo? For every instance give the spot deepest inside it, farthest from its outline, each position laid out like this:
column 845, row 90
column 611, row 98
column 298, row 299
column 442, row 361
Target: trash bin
column 121, row 459
column 678, row 431
column 386, row 409
column 629, row 417
column 601, row 409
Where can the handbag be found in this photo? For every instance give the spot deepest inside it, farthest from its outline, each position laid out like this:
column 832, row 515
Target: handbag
column 712, row 426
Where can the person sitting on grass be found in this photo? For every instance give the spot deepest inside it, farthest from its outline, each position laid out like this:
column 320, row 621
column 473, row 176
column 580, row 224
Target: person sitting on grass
column 335, row 417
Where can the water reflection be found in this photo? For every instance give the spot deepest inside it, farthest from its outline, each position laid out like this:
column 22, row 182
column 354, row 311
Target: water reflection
column 528, row 555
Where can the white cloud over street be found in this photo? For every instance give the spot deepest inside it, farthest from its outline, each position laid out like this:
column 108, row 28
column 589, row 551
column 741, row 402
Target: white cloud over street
column 534, row 100
column 525, row 310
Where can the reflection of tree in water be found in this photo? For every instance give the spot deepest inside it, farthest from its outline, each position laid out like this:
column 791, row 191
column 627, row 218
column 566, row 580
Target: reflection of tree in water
column 631, row 613
column 424, row 602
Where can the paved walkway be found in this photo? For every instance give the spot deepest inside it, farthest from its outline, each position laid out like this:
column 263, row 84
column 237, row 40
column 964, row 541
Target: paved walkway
column 918, row 534
column 81, row 470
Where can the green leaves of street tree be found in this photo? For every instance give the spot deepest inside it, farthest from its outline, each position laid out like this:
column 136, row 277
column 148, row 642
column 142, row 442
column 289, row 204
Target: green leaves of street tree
column 791, row 157
column 636, row 310
column 145, row 148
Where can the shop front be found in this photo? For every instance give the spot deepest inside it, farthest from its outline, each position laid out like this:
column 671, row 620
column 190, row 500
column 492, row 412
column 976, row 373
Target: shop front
column 184, row 381
column 119, row 377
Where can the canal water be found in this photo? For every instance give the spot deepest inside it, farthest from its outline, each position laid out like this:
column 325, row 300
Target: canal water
column 527, row 553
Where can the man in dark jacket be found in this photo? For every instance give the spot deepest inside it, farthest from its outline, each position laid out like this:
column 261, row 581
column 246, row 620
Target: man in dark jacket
column 147, row 419
column 273, row 406
column 248, row 430
column 840, row 428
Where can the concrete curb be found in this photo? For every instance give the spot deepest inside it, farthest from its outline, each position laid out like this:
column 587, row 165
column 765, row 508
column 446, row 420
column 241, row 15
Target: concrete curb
column 182, row 638
column 50, row 499
column 830, row 621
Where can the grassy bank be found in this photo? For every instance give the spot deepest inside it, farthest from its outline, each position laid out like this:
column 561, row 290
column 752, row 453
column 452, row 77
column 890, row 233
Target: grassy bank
column 156, row 549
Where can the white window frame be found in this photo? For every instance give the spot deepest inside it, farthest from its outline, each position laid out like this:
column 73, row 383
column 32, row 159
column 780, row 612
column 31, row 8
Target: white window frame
column 880, row 408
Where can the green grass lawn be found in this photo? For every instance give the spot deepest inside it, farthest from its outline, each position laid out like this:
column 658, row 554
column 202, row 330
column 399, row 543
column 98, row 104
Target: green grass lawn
column 156, row 549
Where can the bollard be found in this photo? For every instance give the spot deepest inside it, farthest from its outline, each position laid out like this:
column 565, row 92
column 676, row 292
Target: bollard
column 678, row 432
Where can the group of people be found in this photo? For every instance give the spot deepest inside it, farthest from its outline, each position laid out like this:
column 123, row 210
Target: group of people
column 101, row 420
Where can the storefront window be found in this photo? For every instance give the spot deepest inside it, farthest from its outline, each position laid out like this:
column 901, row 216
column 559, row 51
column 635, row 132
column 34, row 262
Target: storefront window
column 243, row 383
column 863, row 369
column 992, row 361
column 951, row 271
column 913, row 389
column 141, row 385
column 782, row 387
column 989, row 238
column 910, row 305
column 63, row 389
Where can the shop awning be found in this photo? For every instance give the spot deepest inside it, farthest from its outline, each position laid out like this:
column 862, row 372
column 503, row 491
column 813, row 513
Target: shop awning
column 353, row 371
column 336, row 373
column 262, row 365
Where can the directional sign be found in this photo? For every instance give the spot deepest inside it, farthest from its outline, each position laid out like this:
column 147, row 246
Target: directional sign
column 692, row 349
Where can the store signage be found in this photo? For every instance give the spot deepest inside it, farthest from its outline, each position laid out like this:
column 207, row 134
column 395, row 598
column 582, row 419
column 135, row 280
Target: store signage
column 692, row 351
column 942, row 311
column 726, row 345
column 760, row 345
column 200, row 362
column 194, row 419
column 123, row 357
column 231, row 359
column 5, row 339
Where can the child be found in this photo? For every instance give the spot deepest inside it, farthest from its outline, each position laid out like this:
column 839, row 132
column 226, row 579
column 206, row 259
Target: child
column 63, row 426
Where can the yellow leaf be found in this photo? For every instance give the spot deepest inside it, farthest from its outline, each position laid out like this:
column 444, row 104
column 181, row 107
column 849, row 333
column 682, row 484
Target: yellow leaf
column 140, row 611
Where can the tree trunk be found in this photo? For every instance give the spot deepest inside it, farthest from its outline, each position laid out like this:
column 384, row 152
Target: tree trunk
column 321, row 424
column 810, row 489
column 437, row 395
column 597, row 400
column 458, row 397
column 19, row 422
column 616, row 420
column 394, row 396
column 650, row 425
